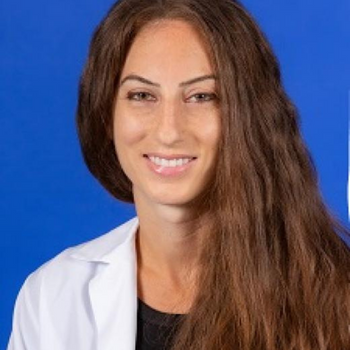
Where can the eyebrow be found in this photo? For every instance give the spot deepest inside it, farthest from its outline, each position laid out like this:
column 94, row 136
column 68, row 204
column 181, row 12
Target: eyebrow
column 184, row 83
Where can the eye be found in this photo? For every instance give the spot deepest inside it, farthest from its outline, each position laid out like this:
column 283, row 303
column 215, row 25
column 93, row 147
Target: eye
column 202, row 97
column 140, row 96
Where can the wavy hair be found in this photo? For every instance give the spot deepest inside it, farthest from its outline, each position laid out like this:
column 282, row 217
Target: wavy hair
column 274, row 270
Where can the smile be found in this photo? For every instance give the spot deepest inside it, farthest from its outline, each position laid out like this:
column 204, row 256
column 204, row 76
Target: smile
column 169, row 162
column 169, row 167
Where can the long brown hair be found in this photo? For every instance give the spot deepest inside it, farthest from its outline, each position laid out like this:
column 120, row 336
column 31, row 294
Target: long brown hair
column 274, row 270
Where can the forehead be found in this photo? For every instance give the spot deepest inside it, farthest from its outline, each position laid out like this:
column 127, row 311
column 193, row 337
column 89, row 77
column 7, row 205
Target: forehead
column 170, row 45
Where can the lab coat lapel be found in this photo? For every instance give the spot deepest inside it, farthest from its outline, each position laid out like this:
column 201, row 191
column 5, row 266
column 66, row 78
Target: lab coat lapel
column 113, row 291
column 113, row 294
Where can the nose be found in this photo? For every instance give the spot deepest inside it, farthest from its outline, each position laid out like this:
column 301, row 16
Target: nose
column 169, row 123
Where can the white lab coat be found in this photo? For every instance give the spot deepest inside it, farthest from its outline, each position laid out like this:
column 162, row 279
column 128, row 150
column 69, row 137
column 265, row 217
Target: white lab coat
column 83, row 299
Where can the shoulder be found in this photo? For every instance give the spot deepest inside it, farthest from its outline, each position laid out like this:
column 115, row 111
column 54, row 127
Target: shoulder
column 49, row 294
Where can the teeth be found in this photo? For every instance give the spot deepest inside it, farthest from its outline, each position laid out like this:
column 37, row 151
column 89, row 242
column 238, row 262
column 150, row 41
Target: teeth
column 169, row 163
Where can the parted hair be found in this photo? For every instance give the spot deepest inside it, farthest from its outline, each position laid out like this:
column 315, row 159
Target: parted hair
column 274, row 270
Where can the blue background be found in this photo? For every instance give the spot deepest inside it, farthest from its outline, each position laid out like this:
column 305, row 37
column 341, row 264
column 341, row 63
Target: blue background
column 49, row 201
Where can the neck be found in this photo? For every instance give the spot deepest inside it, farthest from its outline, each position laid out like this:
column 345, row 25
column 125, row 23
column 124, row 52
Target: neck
column 168, row 246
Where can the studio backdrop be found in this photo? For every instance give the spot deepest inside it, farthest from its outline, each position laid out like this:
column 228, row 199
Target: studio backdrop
column 49, row 201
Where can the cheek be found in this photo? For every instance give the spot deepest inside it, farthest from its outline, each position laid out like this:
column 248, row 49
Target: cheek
column 127, row 130
column 126, row 134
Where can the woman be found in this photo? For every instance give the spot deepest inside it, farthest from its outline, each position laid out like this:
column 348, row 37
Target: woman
column 182, row 112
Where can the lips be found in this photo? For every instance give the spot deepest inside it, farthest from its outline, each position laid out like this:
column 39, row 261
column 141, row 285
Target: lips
column 170, row 172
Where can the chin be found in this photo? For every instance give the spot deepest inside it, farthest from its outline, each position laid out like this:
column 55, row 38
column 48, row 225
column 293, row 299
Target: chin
column 172, row 200
column 169, row 198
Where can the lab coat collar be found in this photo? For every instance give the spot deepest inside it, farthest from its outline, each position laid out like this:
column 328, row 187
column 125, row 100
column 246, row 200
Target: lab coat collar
column 113, row 287
column 111, row 247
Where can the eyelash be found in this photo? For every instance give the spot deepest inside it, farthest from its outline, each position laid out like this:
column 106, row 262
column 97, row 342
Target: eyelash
column 131, row 96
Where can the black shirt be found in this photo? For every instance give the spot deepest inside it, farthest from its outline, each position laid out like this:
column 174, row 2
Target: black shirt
column 155, row 329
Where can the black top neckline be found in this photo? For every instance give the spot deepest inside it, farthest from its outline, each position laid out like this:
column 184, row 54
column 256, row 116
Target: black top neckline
column 151, row 315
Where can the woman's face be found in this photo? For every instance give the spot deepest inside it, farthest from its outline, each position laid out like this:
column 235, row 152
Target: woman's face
column 166, row 117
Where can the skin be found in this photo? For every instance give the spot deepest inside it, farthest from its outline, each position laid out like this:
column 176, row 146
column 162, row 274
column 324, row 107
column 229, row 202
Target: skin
column 170, row 118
